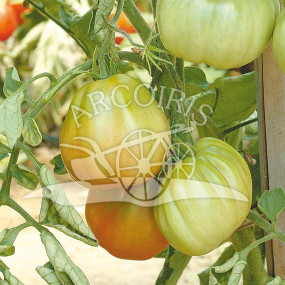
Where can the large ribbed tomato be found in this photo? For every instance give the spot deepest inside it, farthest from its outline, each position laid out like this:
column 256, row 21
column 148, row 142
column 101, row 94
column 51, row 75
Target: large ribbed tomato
column 222, row 33
column 196, row 215
column 114, row 133
column 126, row 230
column 278, row 42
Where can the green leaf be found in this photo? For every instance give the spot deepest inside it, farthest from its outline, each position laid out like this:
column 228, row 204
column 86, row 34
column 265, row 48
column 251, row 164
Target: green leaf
column 3, row 152
column 272, row 204
column 195, row 80
column 7, row 238
column 175, row 263
column 104, row 11
column 81, row 28
column 59, row 167
column 235, row 138
column 221, row 278
column 10, row 279
column 223, row 268
column 195, row 75
column 11, row 117
column 275, row 281
column 237, row 272
column 66, row 271
column 57, row 212
column 48, row 273
column 24, row 176
column 234, row 98
column 12, row 82
column 31, row 132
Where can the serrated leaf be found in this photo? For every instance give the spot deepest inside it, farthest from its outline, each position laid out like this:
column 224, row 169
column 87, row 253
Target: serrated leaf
column 57, row 212
column 175, row 263
column 272, row 204
column 222, row 278
column 10, row 279
column 11, row 118
column 104, row 11
column 66, row 271
column 47, row 272
column 24, row 176
column 59, row 167
column 223, row 268
column 237, row 272
column 31, row 132
column 7, row 238
column 12, row 82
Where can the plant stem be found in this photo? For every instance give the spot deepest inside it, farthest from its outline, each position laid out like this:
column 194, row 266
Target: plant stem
column 137, row 20
column 254, row 273
column 55, row 88
column 12, row 204
column 266, row 226
column 2, row 145
column 30, row 155
column 5, row 189
column 230, row 130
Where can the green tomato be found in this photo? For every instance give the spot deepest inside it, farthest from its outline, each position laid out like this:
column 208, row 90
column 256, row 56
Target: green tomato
column 222, row 33
column 278, row 42
column 114, row 133
column 196, row 215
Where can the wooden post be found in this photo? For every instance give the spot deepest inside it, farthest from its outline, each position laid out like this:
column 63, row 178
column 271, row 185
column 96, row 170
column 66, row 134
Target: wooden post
column 271, row 111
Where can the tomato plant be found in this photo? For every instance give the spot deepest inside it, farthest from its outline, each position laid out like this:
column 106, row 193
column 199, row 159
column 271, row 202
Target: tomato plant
column 119, row 136
column 8, row 21
column 101, row 138
column 278, row 42
column 218, row 33
column 126, row 230
column 190, row 225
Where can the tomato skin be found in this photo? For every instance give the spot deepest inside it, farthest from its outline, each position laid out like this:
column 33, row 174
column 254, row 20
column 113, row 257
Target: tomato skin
column 197, row 226
column 109, row 129
column 125, row 230
column 216, row 32
column 8, row 22
column 278, row 42
column 19, row 10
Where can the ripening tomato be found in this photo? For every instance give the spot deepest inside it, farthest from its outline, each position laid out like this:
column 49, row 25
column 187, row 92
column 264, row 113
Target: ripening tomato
column 278, row 42
column 114, row 133
column 197, row 214
column 8, row 21
column 224, row 34
column 19, row 10
column 126, row 230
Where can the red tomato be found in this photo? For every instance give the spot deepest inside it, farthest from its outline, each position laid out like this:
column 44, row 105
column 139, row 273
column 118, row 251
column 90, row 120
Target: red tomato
column 8, row 22
column 19, row 10
column 125, row 230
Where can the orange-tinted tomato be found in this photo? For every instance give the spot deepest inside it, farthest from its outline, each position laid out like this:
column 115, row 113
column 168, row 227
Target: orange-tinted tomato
column 126, row 230
column 19, row 10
